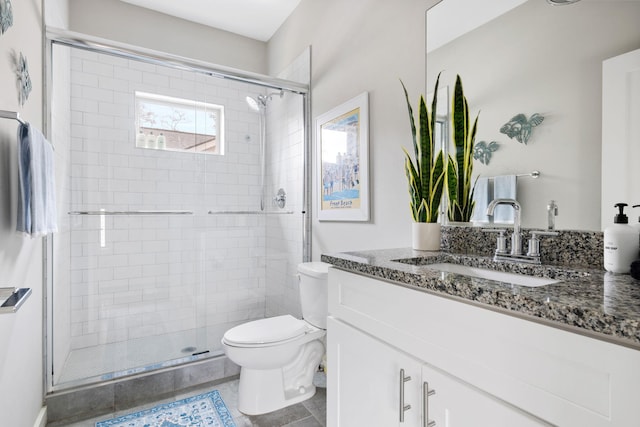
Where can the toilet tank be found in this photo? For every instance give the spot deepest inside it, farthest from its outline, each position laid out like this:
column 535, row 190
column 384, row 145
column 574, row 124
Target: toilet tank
column 312, row 282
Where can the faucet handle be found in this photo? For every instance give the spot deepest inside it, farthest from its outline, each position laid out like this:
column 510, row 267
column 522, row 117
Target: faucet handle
column 494, row 230
column 534, row 242
column 501, row 244
column 536, row 233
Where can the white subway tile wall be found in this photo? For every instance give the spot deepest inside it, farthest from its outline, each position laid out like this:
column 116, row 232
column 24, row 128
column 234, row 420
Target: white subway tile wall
column 285, row 134
column 133, row 277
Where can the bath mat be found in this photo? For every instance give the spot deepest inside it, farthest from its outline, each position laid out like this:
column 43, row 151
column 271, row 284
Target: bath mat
column 203, row 410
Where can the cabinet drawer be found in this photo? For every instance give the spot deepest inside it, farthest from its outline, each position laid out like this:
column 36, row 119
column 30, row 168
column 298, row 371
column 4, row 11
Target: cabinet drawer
column 562, row 377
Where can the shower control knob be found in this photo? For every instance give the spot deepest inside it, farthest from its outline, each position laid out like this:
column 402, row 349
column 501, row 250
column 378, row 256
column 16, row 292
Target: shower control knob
column 281, row 198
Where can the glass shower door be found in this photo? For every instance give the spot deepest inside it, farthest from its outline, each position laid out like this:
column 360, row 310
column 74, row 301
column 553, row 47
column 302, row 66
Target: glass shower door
column 129, row 292
column 163, row 245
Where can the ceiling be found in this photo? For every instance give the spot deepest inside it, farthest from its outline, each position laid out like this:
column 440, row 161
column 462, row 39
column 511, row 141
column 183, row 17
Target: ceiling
column 257, row 19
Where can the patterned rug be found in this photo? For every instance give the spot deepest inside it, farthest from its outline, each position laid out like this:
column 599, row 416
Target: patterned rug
column 203, row 410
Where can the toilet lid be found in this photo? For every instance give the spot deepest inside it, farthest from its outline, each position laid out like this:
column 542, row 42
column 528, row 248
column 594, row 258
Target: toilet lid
column 264, row 331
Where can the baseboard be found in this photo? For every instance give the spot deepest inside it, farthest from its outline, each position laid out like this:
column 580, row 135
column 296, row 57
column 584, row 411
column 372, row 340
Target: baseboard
column 41, row 419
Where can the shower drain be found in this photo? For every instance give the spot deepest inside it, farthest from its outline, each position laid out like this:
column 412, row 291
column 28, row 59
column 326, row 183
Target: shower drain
column 189, row 349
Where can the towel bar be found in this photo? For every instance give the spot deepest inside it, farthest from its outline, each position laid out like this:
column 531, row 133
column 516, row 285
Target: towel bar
column 13, row 115
column 107, row 213
column 13, row 298
column 250, row 212
column 534, row 175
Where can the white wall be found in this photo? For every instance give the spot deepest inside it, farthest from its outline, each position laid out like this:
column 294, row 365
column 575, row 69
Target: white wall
column 356, row 46
column 21, row 362
column 123, row 22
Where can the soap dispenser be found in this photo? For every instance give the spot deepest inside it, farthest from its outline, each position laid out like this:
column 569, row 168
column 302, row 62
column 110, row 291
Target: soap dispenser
column 620, row 243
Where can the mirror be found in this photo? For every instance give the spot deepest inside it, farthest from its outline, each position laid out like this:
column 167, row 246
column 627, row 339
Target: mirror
column 530, row 57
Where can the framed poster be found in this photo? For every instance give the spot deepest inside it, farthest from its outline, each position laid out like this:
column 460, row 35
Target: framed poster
column 342, row 144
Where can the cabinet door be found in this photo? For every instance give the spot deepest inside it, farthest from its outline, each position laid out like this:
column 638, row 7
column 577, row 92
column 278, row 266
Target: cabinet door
column 458, row 404
column 363, row 381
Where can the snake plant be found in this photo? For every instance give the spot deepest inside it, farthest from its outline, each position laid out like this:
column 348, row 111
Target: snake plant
column 425, row 173
column 460, row 187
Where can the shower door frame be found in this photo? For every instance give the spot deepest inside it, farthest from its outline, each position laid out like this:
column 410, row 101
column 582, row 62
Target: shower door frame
column 123, row 50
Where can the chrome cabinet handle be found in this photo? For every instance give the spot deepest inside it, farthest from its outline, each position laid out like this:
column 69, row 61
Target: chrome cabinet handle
column 426, row 392
column 403, row 407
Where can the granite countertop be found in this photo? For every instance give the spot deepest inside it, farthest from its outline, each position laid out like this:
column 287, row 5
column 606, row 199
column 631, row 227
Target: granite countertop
column 592, row 302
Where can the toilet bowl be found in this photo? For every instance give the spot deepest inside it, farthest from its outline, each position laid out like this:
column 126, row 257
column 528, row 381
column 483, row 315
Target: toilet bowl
column 278, row 356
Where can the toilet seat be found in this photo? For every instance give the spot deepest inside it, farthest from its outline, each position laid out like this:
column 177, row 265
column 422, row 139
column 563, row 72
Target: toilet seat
column 264, row 332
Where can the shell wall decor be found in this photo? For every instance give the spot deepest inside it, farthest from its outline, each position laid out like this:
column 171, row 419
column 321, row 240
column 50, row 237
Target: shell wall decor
column 520, row 128
column 483, row 151
column 24, row 80
column 6, row 15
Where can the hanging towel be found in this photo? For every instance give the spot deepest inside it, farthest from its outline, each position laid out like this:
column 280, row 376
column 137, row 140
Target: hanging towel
column 36, row 176
column 482, row 196
column 504, row 187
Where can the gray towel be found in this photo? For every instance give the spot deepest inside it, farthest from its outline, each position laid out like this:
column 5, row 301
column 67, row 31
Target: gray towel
column 482, row 196
column 36, row 176
column 504, row 187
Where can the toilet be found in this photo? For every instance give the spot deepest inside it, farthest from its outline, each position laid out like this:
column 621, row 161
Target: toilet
column 278, row 356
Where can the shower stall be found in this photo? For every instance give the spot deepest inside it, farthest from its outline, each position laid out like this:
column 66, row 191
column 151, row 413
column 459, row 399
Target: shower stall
column 173, row 227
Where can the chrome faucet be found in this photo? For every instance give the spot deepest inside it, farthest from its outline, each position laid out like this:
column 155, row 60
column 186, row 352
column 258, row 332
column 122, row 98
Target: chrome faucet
column 501, row 254
column 516, row 237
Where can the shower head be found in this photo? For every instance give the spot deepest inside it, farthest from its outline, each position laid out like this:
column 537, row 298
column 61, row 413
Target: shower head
column 253, row 104
column 261, row 101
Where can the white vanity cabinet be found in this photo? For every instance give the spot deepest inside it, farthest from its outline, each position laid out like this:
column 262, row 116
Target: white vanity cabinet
column 365, row 373
column 457, row 404
column 486, row 368
column 368, row 373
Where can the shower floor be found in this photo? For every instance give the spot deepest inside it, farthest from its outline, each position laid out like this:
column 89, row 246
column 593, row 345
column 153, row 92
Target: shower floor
column 109, row 361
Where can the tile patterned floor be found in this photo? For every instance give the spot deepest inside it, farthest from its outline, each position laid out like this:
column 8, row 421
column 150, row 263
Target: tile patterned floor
column 310, row 413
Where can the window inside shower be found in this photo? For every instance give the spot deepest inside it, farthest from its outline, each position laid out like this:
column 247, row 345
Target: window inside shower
column 161, row 250
column 179, row 124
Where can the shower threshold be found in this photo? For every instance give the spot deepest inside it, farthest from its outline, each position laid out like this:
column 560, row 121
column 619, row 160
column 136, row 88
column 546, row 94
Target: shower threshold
column 115, row 360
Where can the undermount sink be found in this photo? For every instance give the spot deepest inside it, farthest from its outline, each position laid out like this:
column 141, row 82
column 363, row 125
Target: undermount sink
column 483, row 273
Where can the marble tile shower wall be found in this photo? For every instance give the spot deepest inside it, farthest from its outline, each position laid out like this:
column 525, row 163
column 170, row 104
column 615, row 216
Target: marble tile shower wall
column 136, row 276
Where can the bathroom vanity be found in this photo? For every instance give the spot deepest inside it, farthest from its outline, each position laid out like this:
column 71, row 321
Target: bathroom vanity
column 409, row 345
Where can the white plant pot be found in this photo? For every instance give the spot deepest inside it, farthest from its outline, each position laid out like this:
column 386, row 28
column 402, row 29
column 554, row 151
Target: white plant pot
column 426, row 236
